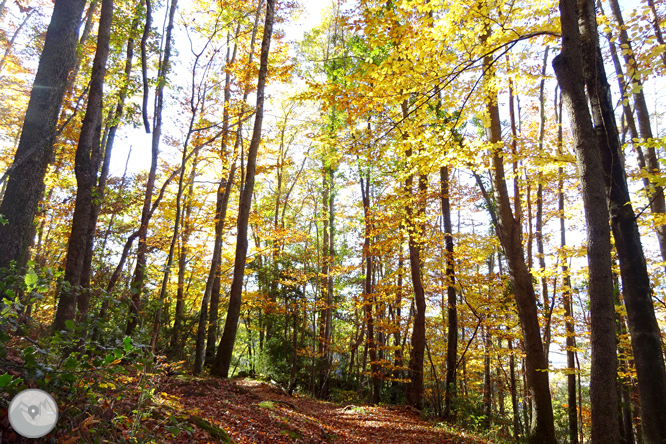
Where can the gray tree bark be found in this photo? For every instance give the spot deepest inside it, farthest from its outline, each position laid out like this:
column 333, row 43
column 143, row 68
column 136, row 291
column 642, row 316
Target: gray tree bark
column 568, row 69
column 26, row 180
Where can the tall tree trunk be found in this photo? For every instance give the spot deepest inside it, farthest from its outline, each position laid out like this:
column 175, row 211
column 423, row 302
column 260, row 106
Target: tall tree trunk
column 452, row 308
column 415, row 230
column 655, row 192
column 205, row 354
column 509, row 231
column 514, row 392
column 213, row 316
column 83, row 40
column 645, row 332
column 108, row 150
column 35, row 149
column 85, row 168
column 568, row 69
column 138, row 281
column 539, row 213
column 225, row 350
column 572, row 414
column 180, row 215
column 487, row 382
column 368, row 297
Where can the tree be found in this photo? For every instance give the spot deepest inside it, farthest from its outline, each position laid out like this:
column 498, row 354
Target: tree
column 26, row 180
column 88, row 157
column 138, row 280
column 568, row 68
column 225, row 350
column 636, row 289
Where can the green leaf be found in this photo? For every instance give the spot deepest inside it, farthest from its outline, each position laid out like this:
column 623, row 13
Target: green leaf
column 31, row 279
column 69, row 324
column 128, row 344
column 71, row 363
column 5, row 380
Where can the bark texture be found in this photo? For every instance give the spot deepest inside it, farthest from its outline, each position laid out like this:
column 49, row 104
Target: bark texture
column 26, row 180
column 86, row 166
column 643, row 327
column 568, row 69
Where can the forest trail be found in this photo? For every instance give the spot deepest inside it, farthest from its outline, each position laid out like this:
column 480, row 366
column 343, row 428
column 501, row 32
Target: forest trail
column 256, row 412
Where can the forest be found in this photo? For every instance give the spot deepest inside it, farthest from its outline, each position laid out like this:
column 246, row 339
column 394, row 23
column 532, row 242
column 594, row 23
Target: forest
column 272, row 221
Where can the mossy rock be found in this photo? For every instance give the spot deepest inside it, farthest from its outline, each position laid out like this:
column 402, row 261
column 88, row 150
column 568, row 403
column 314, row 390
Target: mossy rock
column 292, row 434
column 266, row 405
column 214, row 431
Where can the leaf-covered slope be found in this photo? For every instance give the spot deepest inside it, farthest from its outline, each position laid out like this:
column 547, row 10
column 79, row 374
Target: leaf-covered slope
column 256, row 412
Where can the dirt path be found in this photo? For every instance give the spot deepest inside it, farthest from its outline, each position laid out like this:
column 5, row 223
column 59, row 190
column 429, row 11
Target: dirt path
column 257, row 413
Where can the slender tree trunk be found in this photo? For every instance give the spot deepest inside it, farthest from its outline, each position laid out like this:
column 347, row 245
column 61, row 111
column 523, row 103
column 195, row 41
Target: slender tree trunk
column 568, row 69
column 539, row 213
column 104, row 174
column 645, row 332
column 368, row 297
column 144, row 64
column 570, row 340
column 35, row 149
column 657, row 29
column 85, row 168
column 180, row 215
column 623, row 382
column 655, row 192
column 414, row 231
column 221, row 216
column 225, row 350
column 452, row 308
column 83, row 40
column 212, row 291
column 514, row 392
column 509, row 231
column 487, row 382
column 138, row 281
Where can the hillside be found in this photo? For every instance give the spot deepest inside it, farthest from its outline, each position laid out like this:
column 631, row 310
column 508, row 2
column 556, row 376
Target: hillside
column 183, row 409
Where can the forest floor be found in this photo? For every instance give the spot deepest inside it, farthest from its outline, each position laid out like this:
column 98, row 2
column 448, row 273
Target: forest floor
column 248, row 411
column 167, row 407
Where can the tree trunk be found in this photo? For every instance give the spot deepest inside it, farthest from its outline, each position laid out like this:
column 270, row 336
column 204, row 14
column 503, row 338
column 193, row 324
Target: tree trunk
column 514, row 392
column 452, row 309
column 26, row 178
column 85, row 168
column 539, row 214
column 645, row 332
column 655, row 193
column 368, row 298
column 138, row 281
column 225, row 350
column 212, row 291
column 487, row 382
column 509, row 231
column 86, row 274
column 572, row 414
column 568, row 69
column 657, row 29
